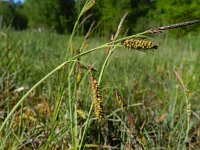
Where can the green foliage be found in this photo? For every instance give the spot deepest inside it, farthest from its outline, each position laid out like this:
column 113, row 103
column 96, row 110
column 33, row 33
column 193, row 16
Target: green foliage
column 112, row 11
column 60, row 15
column 54, row 14
column 137, row 19
column 12, row 15
column 174, row 11
column 107, row 15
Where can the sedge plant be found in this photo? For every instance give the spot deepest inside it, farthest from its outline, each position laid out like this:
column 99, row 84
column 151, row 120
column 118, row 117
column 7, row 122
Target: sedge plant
column 78, row 139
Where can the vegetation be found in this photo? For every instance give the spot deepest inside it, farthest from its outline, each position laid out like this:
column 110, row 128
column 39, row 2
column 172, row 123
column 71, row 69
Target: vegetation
column 60, row 15
column 54, row 14
column 12, row 16
column 124, row 92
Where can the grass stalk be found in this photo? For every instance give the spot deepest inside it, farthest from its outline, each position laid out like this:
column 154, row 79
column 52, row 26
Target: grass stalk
column 76, row 24
column 85, row 128
column 188, row 105
column 104, row 65
column 57, row 107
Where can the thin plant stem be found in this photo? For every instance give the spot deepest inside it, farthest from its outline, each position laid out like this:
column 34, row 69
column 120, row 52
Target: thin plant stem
column 86, row 125
column 112, row 48
column 76, row 24
column 70, row 103
column 75, row 128
column 57, row 107
column 188, row 106
column 104, row 64
column 188, row 112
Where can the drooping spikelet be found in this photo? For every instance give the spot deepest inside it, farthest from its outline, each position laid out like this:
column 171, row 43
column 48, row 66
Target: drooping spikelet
column 119, row 100
column 97, row 100
column 174, row 26
column 139, row 44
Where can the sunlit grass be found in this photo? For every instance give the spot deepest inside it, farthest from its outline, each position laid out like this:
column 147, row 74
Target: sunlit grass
column 146, row 78
column 46, row 96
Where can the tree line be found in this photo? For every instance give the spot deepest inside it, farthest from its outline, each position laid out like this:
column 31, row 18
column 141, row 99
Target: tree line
column 60, row 15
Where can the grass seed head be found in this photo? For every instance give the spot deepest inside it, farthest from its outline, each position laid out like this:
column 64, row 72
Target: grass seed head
column 89, row 6
column 97, row 100
column 119, row 100
column 139, row 44
column 79, row 77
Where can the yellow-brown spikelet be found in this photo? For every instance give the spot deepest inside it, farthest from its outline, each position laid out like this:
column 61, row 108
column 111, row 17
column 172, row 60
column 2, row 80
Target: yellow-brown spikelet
column 89, row 6
column 82, row 114
column 97, row 100
column 27, row 117
column 139, row 44
column 43, row 109
column 79, row 77
column 119, row 100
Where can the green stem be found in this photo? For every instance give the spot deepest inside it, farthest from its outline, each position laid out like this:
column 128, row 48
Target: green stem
column 76, row 24
column 71, row 103
column 75, row 128
column 87, row 122
column 188, row 111
column 104, row 65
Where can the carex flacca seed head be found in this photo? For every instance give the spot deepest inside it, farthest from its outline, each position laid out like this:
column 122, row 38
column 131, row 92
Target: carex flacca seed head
column 139, row 44
column 97, row 100
column 119, row 100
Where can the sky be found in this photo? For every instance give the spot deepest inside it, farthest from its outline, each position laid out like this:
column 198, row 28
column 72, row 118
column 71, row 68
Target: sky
column 19, row 0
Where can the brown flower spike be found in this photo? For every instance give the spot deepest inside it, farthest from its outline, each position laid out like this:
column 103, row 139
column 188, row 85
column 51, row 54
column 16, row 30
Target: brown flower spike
column 97, row 100
column 139, row 44
column 119, row 100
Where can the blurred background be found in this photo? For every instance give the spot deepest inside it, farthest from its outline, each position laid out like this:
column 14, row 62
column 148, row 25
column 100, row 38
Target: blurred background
column 60, row 15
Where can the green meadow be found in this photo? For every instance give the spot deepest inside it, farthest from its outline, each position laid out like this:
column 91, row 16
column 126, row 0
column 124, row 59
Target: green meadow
column 159, row 88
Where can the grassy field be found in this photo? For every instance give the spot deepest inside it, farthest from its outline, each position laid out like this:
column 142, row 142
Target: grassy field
column 160, row 94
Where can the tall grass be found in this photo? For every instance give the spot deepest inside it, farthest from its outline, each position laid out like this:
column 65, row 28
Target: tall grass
column 42, row 74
